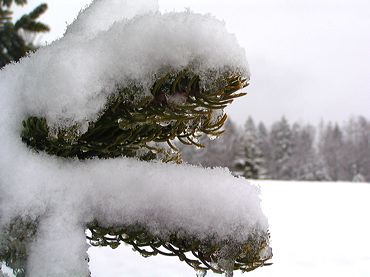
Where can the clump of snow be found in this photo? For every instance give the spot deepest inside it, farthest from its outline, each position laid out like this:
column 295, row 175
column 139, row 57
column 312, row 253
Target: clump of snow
column 101, row 15
column 72, row 77
column 68, row 82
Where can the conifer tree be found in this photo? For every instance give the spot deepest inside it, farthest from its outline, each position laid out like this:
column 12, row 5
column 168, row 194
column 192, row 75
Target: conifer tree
column 281, row 144
column 331, row 146
column 249, row 162
column 13, row 44
column 356, row 149
column 265, row 147
column 304, row 160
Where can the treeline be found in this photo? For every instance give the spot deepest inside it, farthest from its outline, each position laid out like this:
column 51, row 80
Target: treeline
column 284, row 151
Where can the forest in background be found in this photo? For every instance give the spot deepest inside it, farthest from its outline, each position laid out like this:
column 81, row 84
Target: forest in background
column 285, row 151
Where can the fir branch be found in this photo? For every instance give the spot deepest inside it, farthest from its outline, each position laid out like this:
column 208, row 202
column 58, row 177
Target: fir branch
column 201, row 255
column 146, row 130
column 124, row 128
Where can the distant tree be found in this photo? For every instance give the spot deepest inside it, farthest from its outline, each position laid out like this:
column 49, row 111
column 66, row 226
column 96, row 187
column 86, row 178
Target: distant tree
column 304, row 161
column 356, row 150
column 216, row 152
column 13, row 41
column 281, row 150
column 289, row 152
column 358, row 177
column 249, row 161
column 265, row 147
column 331, row 150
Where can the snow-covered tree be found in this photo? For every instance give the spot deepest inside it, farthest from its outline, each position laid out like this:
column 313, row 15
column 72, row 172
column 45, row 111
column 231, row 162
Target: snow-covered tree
column 304, row 161
column 264, row 144
column 87, row 143
column 250, row 161
column 281, row 150
column 345, row 149
column 330, row 147
column 356, row 149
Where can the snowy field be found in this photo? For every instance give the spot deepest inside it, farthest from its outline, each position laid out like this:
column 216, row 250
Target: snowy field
column 317, row 229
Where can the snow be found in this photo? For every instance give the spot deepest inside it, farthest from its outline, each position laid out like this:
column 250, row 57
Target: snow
column 164, row 198
column 68, row 82
column 102, row 14
column 317, row 229
column 72, row 78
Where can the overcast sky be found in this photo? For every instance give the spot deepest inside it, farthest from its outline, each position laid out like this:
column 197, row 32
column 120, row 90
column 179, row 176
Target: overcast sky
column 310, row 59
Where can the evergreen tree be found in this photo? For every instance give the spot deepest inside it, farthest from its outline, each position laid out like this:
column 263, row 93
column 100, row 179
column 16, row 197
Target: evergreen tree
column 13, row 44
column 304, row 161
column 281, row 145
column 292, row 153
column 263, row 144
column 249, row 162
column 356, row 150
column 331, row 150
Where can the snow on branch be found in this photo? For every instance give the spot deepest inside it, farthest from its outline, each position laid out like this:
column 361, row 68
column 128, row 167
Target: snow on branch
column 150, row 78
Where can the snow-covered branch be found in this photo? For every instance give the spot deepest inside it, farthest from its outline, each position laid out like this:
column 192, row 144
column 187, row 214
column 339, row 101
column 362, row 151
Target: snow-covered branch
column 69, row 83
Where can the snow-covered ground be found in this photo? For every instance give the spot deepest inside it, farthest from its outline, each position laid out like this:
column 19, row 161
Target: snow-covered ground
column 317, row 229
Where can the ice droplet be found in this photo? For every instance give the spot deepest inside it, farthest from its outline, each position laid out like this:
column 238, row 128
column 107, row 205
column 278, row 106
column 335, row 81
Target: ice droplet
column 215, row 265
column 266, row 253
column 201, row 272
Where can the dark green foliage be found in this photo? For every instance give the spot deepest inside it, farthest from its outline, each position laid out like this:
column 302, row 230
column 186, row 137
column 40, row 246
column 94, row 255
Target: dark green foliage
column 8, row 3
column 12, row 45
column 125, row 127
column 28, row 22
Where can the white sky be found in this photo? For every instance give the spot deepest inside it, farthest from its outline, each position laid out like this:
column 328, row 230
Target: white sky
column 310, row 59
